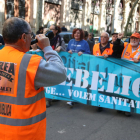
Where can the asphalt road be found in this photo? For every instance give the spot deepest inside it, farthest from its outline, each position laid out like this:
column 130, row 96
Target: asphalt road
column 84, row 123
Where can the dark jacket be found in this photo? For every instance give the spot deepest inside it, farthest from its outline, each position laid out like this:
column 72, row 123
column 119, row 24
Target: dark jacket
column 91, row 44
column 93, row 40
column 118, row 47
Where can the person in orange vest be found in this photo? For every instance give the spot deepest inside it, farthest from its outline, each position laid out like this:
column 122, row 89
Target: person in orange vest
column 136, row 55
column 22, row 78
column 129, row 51
column 104, row 48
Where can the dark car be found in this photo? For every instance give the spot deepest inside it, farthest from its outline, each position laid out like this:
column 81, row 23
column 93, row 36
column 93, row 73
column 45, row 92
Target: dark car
column 127, row 40
column 67, row 36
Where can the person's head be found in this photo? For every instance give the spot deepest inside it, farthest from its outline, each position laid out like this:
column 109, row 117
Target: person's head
column 104, row 38
column 90, row 36
column 17, row 32
column 41, row 30
column 114, row 37
column 45, row 30
column 85, row 35
column 78, row 34
column 56, row 29
column 135, row 39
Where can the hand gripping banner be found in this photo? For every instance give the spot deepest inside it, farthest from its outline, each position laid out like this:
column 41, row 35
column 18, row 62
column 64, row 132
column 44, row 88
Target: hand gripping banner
column 109, row 83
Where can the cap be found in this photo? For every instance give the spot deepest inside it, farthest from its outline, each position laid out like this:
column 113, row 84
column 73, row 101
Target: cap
column 114, row 33
column 137, row 35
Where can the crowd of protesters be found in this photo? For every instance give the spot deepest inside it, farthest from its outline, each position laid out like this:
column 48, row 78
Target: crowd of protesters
column 83, row 42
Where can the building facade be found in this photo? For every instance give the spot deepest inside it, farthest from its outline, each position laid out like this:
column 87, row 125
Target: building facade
column 91, row 15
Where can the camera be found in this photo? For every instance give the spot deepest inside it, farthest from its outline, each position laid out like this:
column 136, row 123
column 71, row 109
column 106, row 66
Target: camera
column 49, row 34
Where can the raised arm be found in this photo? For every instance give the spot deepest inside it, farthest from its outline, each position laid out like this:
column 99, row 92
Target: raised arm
column 118, row 47
column 52, row 71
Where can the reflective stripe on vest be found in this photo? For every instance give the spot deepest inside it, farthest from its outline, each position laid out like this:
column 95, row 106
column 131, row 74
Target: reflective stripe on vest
column 125, row 51
column 20, row 99
column 22, row 122
column 97, row 51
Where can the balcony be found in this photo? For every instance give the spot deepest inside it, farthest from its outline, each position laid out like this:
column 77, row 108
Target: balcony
column 54, row 1
column 95, row 10
column 77, row 5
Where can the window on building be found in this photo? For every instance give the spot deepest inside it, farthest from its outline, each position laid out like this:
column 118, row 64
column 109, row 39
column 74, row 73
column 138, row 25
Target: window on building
column 95, row 6
column 120, row 10
column 109, row 14
column 77, row 4
column 54, row 1
column 9, row 8
column 11, row 11
column 22, row 9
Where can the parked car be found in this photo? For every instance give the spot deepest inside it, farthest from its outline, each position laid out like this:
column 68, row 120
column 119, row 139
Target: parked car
column 67, row 36
column 127, row 40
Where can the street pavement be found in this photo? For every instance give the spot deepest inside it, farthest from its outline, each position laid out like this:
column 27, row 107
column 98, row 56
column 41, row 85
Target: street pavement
column 83, row 122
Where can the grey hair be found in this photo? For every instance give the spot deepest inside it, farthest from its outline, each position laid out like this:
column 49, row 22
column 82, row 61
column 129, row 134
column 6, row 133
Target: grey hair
column 106, row 33
column 13, row 28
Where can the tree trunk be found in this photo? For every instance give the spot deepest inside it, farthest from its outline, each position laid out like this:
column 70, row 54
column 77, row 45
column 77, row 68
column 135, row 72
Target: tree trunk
column 130, row 15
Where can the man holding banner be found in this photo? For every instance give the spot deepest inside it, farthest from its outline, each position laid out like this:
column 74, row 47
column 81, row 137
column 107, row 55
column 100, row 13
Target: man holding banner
column 129, row 51
column 104, row 48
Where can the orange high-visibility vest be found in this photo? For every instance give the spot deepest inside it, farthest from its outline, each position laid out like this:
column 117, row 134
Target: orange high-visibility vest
column 127, row 52
column 97, row 52
column 136, row 54
column 22, row 107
